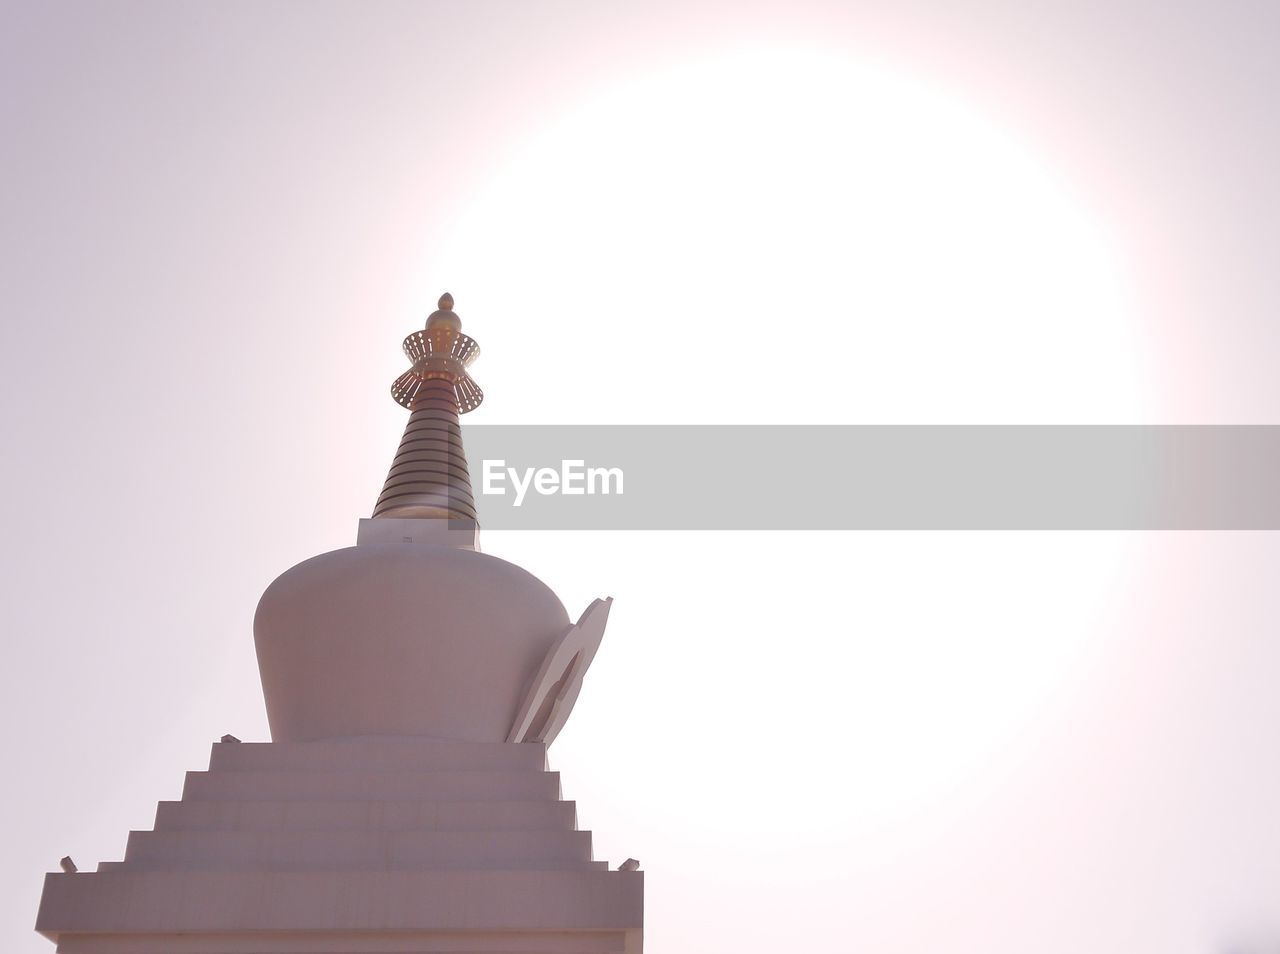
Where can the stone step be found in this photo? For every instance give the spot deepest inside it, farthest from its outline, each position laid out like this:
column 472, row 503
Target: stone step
column 205, row 865
column 367, row 815
column 365, row 786
column 344, row 850
column 149, row 903
column 378, row 755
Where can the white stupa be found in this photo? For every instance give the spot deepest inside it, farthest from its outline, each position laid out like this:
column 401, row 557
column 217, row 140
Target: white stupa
column 404, row 804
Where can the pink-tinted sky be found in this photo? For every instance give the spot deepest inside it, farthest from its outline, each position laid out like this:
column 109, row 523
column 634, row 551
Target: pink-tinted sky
column 220, row 219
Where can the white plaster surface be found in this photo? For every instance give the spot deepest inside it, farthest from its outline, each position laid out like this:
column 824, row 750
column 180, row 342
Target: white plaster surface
column 555, row 687
column 368, row 845
column 390, row 640
column 450, row 533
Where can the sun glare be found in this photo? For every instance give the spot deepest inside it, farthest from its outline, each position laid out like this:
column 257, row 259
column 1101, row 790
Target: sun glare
column 920, row 263
column 844, row 244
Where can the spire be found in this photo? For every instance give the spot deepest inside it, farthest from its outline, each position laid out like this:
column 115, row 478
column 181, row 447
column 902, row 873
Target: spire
column 429, row 477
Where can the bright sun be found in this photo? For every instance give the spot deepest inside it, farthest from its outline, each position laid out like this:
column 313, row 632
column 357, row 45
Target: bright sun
column 784, row 236
column 920, row 262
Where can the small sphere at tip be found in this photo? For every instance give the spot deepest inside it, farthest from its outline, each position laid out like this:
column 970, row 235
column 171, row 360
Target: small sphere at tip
column 446, row 302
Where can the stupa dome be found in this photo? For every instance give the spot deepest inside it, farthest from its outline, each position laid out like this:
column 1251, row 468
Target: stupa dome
column 398, row 640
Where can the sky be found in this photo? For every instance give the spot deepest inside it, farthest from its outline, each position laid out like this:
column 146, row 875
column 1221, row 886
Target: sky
column 219, row 221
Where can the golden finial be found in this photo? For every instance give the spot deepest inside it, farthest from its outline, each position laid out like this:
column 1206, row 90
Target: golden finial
column 444, row 319
column 440, row 351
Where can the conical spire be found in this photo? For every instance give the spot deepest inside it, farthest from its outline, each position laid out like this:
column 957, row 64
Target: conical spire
column 429, row 477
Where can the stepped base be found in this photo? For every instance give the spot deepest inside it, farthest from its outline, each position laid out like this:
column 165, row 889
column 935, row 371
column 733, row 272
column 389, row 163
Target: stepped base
column 580, row 942
column 355, row 847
